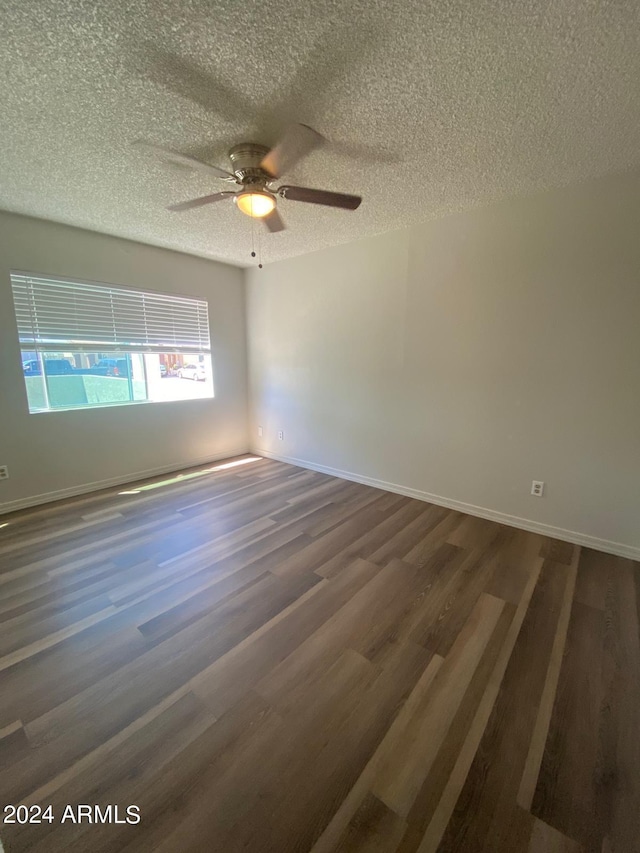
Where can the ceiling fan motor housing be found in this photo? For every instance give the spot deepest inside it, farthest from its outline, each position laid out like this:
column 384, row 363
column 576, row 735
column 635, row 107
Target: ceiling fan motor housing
column 245, row 163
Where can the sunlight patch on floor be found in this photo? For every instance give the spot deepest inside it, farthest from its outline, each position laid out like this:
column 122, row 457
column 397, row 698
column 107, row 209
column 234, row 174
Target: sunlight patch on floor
column 181, row 477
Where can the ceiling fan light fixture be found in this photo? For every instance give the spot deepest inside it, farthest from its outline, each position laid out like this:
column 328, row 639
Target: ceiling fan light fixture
column 256, row 203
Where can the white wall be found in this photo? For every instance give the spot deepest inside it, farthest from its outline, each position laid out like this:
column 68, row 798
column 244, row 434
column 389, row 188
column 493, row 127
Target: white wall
column 68, row 452
column 465, row 357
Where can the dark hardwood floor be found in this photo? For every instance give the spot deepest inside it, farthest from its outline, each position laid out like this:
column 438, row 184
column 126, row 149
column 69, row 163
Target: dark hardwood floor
column 264, row 658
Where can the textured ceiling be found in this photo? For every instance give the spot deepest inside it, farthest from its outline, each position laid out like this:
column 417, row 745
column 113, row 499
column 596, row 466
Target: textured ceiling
column 429, row 107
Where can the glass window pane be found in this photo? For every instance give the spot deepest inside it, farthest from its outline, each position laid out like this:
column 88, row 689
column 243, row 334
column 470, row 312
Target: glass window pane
column 72, row 380
column 172, row 376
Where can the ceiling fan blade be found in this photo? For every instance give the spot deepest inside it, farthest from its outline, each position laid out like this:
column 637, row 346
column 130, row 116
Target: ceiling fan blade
column 184, row 160
column 274, row 222
column 199, row 202
column 347, row 202
column 298, row 141
column 363, row 152
column 186, row 79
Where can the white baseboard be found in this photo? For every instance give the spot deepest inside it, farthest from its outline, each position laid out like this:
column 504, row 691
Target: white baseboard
column 616, row 548
column 97, row 485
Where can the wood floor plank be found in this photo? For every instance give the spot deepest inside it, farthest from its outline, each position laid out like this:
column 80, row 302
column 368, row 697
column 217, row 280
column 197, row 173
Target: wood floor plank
column 13, row 743
column 335, row 829
column 431, row 793
column 245, row 665
column 557, row 551
column 439, row 819
column 36, row 685
column 459, row 597
column 588, row 787
column 546, row 839
column 148, row 744
column 21, row 632
column 487, row 812
column 269, row 659
column 235, row 826
column 34, row 648
column 409, row 534
column 335, row 543
column 400, row 775
column 432, row 541
column 338, row 738
column 356, row 624
column 374, row 828
column 473, row 532
column 513, row 558
column 539, row 737
column 72, row 729
column 623, row 697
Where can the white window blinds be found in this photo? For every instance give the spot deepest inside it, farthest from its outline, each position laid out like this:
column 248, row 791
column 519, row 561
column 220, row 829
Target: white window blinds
column 52, row 311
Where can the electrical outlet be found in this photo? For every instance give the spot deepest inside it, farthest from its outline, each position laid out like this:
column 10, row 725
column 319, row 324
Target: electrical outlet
column 259, row 432
column 280, row 435
column 4, row 472
column 537, row 488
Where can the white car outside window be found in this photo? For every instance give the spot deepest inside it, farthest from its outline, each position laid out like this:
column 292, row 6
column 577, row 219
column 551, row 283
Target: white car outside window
column 192, row 371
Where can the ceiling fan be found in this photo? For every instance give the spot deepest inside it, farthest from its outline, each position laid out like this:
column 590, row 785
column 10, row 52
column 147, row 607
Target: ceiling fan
column 254, row 168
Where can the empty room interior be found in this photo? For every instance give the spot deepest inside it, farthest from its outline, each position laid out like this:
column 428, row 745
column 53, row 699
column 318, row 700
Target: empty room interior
column 320, row 426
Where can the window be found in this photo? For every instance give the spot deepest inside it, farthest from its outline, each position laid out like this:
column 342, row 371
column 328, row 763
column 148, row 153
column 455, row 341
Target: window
column 86, row 344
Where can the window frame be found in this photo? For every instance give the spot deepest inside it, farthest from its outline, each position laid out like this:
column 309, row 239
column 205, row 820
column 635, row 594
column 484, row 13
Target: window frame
column 30, row 339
